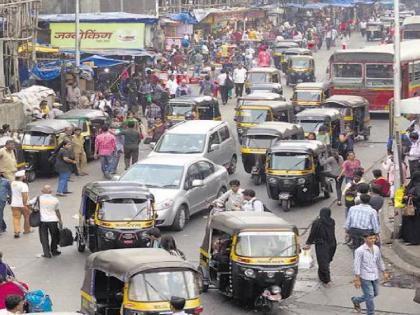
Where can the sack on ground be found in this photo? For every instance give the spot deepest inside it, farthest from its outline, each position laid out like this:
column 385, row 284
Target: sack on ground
column 305, row 259
column 66, row 237
column 38, row 302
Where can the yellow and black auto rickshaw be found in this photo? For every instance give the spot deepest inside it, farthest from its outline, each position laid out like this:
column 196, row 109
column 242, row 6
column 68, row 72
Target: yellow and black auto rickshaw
column 40, row 141
column 263, row 76
column 192, row 107
column 114, row 215
column 310, row 94
column 294, row 173
column 90, row 121
column 138, row 281
column 258, row 139
column 250, row 257
column 300, row 69
column 317, row 119
column 254, row 109
column 278, row 49
column 355, row 112
column 293, row 52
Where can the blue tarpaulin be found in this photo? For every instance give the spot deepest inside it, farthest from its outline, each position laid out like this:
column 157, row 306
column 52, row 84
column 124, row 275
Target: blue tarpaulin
column 118, row 17
column 340, row 3
column 183, row 17
column 103, row 62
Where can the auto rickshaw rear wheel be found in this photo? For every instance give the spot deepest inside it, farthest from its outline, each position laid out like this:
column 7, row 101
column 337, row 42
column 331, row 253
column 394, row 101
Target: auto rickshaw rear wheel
column 285, row 205
column 81, row 246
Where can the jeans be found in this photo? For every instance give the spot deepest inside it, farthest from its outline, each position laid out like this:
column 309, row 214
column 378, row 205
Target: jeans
column 224, row 93
column 63, row 179
column 370, row 290
column 3, row 225
column 106, row 164
column 116, row 161
column 197, row 70
column 51, row 228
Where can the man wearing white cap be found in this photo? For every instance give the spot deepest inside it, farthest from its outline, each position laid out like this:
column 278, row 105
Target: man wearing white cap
column 20, row 193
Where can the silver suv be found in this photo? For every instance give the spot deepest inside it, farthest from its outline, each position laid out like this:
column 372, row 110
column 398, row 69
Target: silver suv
column 206, row 138
column 182, row 185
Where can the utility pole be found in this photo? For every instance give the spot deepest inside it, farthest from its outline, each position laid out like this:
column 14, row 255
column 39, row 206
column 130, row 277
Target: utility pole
column 77, row 43
column 396, row 107
column 121, row 5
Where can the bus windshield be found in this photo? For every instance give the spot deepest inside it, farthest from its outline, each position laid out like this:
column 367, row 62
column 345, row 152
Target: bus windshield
column 379, row 75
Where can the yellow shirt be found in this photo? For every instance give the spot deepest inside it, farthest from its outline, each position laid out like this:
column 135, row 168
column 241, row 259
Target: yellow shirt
column 8, row 160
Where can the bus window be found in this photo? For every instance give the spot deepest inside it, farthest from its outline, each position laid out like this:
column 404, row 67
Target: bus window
column 379, row 75
column 347, row 72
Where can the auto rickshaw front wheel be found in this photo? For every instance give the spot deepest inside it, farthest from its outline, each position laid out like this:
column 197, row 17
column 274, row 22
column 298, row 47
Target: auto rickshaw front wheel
column 256, row 179
column 285, row 205
column 30, row 176
column 81, row 246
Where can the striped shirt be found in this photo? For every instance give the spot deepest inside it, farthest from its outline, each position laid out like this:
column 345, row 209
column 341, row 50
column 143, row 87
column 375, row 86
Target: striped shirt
column 368, row 262
column 362, row 217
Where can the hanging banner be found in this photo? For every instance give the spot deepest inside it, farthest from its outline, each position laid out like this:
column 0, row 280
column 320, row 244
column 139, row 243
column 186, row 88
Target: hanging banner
column 99, row 35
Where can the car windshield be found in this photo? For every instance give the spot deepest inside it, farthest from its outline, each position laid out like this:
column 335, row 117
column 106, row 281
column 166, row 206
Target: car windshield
column 155, row 175
column 261, row 142
column 311, row 125
column 300, row 62
column 290, row 161
column 125, row 209
column 179, row 109
column 38, row 138
column 161, row 286
column 181, row 143
column 253, row 115
column 266, row 244
column 258, row 77
column 308, row 96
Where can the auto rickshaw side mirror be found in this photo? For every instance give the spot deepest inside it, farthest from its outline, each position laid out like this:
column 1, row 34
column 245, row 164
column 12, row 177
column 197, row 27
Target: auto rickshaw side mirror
column 152, row 145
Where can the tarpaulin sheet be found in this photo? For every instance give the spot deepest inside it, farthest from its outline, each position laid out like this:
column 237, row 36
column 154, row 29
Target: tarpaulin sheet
column 183, row 17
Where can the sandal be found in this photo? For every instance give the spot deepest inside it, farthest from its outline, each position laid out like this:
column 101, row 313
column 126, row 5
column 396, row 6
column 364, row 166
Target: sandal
column 357, row 307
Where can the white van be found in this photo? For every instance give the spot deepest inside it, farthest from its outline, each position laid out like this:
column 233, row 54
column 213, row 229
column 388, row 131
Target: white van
column 206, row 138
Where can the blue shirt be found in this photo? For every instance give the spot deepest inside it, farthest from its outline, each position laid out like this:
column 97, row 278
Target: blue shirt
column 368, row 262
column 5, row 189
column 362, row 217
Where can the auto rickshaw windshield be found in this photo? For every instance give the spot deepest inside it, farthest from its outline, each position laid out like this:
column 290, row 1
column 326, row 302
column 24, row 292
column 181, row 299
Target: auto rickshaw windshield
column 38, row 138
column 259, row 141
column 179, row 109
column 162, row 285
column 155, row 175
column 311, row 125
column 301, row 62
column 124, row 210
column 253, row 116
column 290, row 161
column 266, row 244
column 179, row 143
column 308, row 96
column 258, row 77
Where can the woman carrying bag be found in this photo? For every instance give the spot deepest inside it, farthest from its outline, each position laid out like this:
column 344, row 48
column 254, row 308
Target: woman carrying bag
column 410, row 230
column 323, row 236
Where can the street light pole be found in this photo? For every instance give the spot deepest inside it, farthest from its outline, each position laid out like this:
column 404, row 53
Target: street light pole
column 121, row 5
column 77, row 44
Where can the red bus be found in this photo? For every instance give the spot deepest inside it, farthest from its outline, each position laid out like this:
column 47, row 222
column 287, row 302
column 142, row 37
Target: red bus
column 369, row 72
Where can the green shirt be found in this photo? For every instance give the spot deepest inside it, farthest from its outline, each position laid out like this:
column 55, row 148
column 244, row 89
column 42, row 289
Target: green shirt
column 132, row 137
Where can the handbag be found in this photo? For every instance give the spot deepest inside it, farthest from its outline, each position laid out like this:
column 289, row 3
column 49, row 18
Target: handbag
column 66, row 237
column 409, row 210
column 229, row 83
column 35, row 216
column 305, row 259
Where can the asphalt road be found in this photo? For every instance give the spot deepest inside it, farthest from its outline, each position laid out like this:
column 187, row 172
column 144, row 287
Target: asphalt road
column 61, row 277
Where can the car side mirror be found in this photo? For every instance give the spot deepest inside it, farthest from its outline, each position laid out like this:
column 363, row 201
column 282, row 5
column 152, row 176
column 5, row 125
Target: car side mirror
column 214, row 147
column 116, row 178
column 152, row 145
column 197, row 183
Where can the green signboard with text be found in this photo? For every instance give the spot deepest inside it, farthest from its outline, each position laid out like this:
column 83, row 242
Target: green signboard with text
column 99, row 35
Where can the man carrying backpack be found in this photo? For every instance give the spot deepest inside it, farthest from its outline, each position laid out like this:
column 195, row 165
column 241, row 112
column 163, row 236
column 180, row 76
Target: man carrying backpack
column 251, row 203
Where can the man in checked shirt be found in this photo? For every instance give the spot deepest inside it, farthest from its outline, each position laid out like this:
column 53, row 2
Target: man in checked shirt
column 367, row 265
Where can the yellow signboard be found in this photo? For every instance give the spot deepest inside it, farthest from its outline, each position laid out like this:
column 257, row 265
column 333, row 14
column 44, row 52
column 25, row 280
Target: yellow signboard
column 99, row 35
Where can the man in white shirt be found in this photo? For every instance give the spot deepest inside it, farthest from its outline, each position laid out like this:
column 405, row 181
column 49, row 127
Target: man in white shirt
column 19, row 204
column 233, row 198
column 239, row 76
column 251, row 203
column 48, row 206
column 172, row 86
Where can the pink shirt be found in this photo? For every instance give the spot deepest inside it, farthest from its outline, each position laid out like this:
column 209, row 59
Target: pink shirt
column 264, row 59
column 105, row 144
column 349, row 167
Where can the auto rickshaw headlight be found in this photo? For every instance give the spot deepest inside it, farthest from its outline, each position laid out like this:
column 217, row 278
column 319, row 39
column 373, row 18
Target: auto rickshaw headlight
column 289, row 272
column 272, row 180
column 271, row 274
column 250, row 273
column 275, row 289
column 301, row 181
column 110, row 235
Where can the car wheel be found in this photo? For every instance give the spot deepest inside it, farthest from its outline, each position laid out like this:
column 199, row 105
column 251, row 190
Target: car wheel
column 181, row 219
column 232, row 165
column 285, row 205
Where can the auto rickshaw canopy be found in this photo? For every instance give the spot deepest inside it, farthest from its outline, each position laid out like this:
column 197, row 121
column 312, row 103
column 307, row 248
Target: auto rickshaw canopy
column 258, row 96
column 91, row 114
column 48, row 126
column 269, row 70
column 234, row 222
column 125, row 263
column 322, row 86
column 318, row 114
column 297, row 51
column 109, row 190
column 351, row 101
column 275, row 128
column 299, row 146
